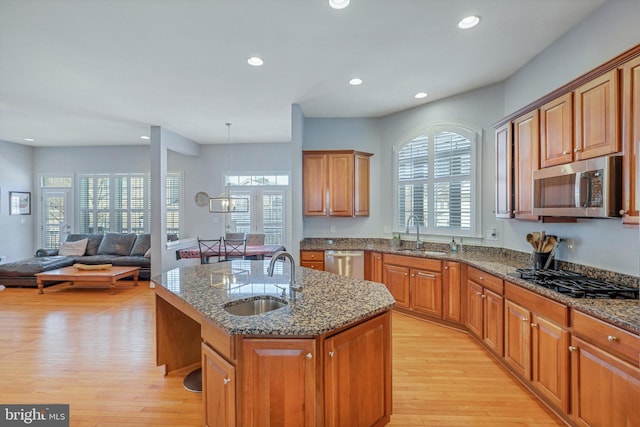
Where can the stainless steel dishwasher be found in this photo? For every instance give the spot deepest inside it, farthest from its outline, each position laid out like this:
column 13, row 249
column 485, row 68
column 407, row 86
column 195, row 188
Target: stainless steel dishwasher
column 345, row 263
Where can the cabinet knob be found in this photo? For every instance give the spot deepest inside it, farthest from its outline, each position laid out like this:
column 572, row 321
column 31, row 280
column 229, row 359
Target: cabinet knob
column 534, row 325
column 309, row 356
column 572, row 348
column 406, row 274
column 524, row 319
column 483, row 296
column 565, row 152
column 576, row 150
column 622, row 212
column 446, row 268
column 413, row 275
column 226, row 381
column 481, row 278
column 331, row 354
column 612, row 338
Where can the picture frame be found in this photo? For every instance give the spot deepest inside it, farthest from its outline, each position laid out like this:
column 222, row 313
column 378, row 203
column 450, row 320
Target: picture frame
column 19, row 203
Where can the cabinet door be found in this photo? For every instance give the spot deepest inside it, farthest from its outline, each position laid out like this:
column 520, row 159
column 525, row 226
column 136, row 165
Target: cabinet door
column 504, row 172
column 631, row 141
column 556, row 131
column 526, row 137
column 358, row 375
column 361, row 187
column 493, row 327
column 278, row 382
column 314, row 182
column 373, row 267
column 426, row 292
column 340, row 184
column 451, row 296
column 517, row 338
column 219, row 390
column 596, row 117
column 605, row 390
column 396, row 279
column 475, row 308
column 551, row 361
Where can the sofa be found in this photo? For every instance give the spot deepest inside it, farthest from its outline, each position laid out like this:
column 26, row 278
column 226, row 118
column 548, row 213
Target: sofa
column 118, row 249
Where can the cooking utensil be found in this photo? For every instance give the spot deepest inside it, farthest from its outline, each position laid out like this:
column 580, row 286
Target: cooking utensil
column 541, row 241
column 549, row 243
column 531, row 241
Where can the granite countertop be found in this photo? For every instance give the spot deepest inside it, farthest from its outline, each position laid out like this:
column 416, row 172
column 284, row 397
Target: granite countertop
column 499, row 262
column 326, row 302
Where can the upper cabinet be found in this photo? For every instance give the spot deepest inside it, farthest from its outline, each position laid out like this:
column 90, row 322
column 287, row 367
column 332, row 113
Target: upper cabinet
column 526, row 140
column 630, row 141
column 335, row 183
column 556, row 131
column 504, row 171
column 596, row 117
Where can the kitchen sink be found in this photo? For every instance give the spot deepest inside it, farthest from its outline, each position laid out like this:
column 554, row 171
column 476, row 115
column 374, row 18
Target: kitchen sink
column 431, row 253
column 255, row 306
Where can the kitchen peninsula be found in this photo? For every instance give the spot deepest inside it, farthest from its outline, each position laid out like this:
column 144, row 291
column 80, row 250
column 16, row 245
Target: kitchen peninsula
column 323, row 358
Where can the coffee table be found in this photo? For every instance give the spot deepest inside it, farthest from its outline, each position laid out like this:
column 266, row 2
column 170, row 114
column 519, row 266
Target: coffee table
column 108, row 276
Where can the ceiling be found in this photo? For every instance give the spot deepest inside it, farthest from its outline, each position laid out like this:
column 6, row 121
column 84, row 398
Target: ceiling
column 101, row 72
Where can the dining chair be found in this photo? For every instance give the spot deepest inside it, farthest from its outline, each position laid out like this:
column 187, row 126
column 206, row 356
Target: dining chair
column 255, row 239
column 235, row 248
column 234, row 236
column 209, row 248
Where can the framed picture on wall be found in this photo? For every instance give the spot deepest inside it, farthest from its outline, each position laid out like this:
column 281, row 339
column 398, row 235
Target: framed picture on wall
column 19, row 203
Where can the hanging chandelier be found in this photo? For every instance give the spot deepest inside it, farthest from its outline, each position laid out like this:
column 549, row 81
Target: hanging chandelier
column 225, row 203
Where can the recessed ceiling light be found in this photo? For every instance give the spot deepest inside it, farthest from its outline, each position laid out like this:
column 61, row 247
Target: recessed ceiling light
column 468, row 22
column 29, row 139
column 144, row 137
column 339, row 4
column 255, row 61
column 355, row 82
column 420, row 95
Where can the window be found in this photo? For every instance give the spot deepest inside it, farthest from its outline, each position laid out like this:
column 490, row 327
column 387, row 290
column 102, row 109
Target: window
column 267, row 205
column 121, row 203
column 56, row 214
column 436, row 174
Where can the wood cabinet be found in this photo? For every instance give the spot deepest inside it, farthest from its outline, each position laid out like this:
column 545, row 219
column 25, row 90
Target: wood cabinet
column 426, row 292
column 415, row 283
column 504, row 171
column 452, row 293
column 312, row 259
column 605, row 378
column 219, row 389
column 556, row 131
column 357, row 372
column 278, row 382
column 485, row 308
column 396, row 279
column 526, row 141
column 597, row 128
column 631, row 141
column 335, row 183
column 373, row 266
column 517, row 339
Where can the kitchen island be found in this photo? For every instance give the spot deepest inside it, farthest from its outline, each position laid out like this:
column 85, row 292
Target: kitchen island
column 323, row 358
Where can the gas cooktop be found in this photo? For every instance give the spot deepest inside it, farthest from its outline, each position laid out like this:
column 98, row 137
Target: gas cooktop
column 576, row 285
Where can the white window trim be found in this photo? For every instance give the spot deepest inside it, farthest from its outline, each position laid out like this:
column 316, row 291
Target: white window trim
column 475, row 135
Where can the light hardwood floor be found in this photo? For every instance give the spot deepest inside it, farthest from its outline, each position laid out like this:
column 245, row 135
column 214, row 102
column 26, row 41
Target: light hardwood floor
column 95, row 351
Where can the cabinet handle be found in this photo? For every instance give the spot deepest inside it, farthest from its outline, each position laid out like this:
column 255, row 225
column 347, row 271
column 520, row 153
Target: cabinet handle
column 534, row 325
column 309, row 356
column 331, row 354
column 226, row 381
column 572, row 348
column 524, row 319
column 430, row 276
column 612, row 338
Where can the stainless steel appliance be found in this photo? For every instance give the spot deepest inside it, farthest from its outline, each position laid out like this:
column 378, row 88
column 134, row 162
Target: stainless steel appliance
column 576, row 285
column 588, row 188
column 345, row 263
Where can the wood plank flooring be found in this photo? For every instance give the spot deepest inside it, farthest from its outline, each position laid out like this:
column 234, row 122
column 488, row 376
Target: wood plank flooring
column 96, row 352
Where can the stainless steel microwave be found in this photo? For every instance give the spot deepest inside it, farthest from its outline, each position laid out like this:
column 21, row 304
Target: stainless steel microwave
column 589, row 188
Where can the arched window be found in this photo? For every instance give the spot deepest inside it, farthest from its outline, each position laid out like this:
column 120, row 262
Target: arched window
column 437, row 180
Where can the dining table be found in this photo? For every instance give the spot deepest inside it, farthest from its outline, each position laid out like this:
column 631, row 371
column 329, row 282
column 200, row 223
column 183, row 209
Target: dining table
column 252, row 251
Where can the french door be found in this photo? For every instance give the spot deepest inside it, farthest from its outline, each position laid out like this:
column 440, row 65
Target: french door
column 267, row 208
column 56, row 216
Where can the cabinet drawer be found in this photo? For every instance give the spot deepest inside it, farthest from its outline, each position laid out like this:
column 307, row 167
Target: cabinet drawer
column 551, row 310
column 312, row 256
column 413, row 262
column 608, row 337
column 316, row 265
column 218, row 340
column 485, row 279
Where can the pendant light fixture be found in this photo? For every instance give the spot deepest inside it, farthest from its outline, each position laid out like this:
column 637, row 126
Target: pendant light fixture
column 225, row 203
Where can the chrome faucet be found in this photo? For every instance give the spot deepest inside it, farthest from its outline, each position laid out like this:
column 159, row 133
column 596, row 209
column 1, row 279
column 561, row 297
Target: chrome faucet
column 293, row 286
column 416, row 221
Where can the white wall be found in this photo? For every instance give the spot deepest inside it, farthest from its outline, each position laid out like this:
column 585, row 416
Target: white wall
column 16, row 174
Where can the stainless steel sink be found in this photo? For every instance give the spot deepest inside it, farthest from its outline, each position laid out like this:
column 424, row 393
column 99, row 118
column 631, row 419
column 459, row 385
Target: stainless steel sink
column 254, row 306
column 416, row 251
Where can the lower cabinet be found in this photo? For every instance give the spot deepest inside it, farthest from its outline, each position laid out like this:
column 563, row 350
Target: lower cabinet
column 219, row 389
column 485, row 308
column 312, row 259
column 452, row 294
column 396, row 279
column 373, row 266
column 357, row 372
column 278, row 382
column 425, row 292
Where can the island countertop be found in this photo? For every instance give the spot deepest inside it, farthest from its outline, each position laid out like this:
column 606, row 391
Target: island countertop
column 327, row 302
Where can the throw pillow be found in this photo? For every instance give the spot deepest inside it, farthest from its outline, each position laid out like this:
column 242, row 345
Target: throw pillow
column 116, row 244
column 76, row 248
column 148, row 253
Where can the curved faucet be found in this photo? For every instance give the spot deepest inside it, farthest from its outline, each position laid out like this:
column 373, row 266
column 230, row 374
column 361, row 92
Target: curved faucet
column 293, row 286
column 416, row 221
